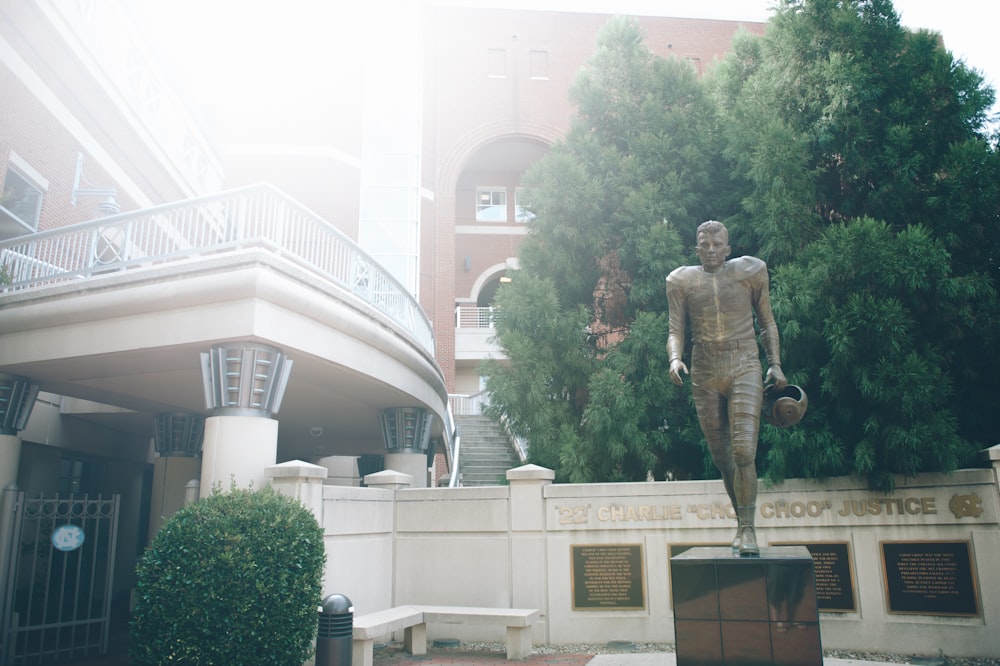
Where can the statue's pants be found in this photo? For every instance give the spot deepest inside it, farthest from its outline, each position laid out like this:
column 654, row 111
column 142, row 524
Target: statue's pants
column 728, row 394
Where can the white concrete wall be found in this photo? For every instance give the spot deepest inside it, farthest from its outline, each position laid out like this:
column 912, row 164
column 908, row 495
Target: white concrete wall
column 359, row 527
column 511, row 546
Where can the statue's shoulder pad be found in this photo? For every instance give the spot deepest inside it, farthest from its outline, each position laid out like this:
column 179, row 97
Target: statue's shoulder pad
column 683, row 275
column 748, row 266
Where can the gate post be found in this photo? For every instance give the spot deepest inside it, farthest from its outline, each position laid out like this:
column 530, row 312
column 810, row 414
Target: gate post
column 9, row 513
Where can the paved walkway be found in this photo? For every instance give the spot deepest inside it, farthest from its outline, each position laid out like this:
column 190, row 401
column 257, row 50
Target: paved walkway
column 396, row 656
column 459, row 657
column 478, row 658
column 669, row 659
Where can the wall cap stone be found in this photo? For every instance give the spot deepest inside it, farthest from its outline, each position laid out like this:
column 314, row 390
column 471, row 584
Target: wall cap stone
column 530, row 473
column 991, row 453
column 296, row 469
column 389, row 477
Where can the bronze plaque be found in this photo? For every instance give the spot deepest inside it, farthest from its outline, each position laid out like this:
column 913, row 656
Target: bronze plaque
column 834, row 575
column 929, row 577
column 608, row 577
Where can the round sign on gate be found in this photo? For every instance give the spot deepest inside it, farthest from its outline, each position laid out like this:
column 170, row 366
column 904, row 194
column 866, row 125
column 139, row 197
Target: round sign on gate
column 67, row 537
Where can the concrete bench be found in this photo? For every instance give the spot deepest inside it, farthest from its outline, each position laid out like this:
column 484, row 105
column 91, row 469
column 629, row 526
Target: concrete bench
column 374, row 625
column 414, row 618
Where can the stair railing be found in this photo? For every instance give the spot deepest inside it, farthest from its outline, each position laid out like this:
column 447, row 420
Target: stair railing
column 452, row 446
column 472, row 405
column 520, row 443
column 468, row 405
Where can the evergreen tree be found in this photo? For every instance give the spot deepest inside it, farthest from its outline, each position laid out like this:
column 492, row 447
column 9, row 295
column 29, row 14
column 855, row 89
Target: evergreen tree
column 839, row 112
column 874, row 200
column 584, row 320
column 852, row 308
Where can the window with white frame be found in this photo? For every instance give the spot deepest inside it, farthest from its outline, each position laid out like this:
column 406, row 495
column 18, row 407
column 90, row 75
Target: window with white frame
column 491, row 204
column 522, row 208
column 21, row 199
column 538, row 64
column 496, row 63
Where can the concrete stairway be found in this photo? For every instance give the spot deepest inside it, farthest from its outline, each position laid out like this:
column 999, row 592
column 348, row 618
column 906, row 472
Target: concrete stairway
column 486, row 453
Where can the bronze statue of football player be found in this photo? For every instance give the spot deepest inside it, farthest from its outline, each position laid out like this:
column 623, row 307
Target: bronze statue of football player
column 720, row 301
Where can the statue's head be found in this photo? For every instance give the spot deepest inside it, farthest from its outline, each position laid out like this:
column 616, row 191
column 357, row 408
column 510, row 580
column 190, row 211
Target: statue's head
column 713, row 227
column 712, row 245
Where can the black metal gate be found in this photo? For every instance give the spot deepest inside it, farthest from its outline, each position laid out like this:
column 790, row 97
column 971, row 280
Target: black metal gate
column 59, row 574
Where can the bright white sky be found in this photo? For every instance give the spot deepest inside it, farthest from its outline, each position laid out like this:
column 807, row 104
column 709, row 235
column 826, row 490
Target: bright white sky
column 229, row 48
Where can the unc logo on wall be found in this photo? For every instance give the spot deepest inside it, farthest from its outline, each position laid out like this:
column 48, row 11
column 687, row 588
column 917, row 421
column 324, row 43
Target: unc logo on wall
column 966, row 506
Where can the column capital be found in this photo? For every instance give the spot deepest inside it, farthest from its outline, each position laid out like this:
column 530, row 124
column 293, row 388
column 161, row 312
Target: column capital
column 178, row 434
column 244, row 379
column 17, row 399
column 406, row 429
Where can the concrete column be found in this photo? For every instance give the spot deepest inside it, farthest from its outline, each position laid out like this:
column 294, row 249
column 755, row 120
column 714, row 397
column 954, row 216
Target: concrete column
column 301, row 480
column 341, row 470
column 529, row 542
column 177, row 438
column 10, row 458
column 237, row 449
column 413, row 464
column 244, row 385
column 992, row 454
column 406, row 432
column 170, row 477
column 527, row 502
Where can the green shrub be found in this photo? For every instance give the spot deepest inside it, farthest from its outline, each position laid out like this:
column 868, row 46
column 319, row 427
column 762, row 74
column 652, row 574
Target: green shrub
column 234, row 578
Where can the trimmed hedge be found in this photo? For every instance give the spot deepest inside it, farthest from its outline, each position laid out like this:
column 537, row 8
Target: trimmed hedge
column 234, row 578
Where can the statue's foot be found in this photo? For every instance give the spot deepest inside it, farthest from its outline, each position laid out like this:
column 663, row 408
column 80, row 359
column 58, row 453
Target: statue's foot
column 748, row 542
column 737, row 540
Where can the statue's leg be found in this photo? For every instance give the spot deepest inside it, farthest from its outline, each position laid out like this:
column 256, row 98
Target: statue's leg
column 714, row 420
column 713, row 416
column 744, row 415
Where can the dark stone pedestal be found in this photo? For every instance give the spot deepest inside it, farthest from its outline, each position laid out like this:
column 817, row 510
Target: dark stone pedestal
column 743, row 611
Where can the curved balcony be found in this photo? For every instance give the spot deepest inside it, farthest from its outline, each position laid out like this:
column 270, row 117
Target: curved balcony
column 256, row 216
column 118, row 310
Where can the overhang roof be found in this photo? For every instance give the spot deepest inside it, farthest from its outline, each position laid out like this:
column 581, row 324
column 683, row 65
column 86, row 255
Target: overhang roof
column 133, row 340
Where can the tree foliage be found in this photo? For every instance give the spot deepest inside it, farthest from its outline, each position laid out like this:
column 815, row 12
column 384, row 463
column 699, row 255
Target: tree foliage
column 853, row 307
column 850, row 154
column 865, row 149
column 585, row 318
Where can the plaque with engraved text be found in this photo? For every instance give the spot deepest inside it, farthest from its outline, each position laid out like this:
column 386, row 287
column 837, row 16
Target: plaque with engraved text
column 929, row 578
column 608, row 577
column 834, row 575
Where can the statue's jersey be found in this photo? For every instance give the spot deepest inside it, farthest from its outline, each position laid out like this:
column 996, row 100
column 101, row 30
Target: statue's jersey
column 720, row 306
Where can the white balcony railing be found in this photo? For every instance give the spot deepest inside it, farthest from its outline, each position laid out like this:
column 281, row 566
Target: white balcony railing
column 252, row 217
column 471, row 316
